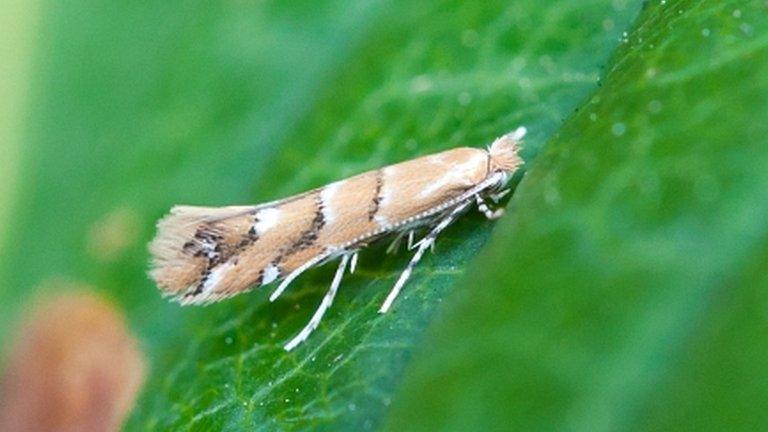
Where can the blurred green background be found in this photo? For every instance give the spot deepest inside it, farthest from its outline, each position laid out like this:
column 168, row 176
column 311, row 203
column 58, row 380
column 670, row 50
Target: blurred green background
column 624, row 290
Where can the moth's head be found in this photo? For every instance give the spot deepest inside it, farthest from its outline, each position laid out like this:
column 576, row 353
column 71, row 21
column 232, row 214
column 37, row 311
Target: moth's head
column 504, row 152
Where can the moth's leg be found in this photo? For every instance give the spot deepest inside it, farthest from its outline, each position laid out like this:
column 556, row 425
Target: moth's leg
column 324, row 305
column 294, row 274
column 496, row 197
column 392, row 248
column 353, row 262
column 483, row 207
column 421, row 247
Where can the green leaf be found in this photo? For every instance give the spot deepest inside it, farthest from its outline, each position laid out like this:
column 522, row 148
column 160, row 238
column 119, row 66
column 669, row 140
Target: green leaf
column 627, row 289
column 141, row 106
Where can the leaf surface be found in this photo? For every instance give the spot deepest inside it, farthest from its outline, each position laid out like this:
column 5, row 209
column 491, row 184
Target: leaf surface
column 142, row 106
column 627, row 290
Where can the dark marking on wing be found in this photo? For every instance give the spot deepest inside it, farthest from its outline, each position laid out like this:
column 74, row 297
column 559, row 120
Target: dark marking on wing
column 251, row 237
column 309, row 236
column 260, row 278
column 209, row 245
column 373, row 208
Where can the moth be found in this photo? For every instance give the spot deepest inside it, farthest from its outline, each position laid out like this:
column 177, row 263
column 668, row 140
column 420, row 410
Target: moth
column 205, row 254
